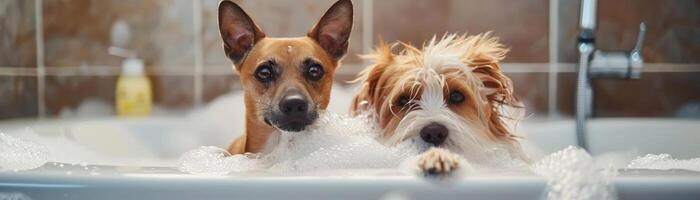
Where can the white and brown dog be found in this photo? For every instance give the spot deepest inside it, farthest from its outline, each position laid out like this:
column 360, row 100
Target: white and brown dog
column 450, row 96
column 286, row 81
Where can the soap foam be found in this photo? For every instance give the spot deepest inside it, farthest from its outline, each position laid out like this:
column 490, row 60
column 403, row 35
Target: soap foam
column 499, row 157
column 572, row 174
column 18, row 155
column 63, row 148
column 333, row 142
column 219, row 121
column 210, row 160
column 664, row 162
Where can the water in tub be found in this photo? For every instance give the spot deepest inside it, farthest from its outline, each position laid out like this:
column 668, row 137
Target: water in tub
column 335, row 142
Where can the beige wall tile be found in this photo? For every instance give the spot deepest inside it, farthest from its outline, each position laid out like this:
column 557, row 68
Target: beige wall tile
column 673, row 27
column 77, row 32
column 17, row 33
column 522, row 25
column 19, row 97
column 659, row 94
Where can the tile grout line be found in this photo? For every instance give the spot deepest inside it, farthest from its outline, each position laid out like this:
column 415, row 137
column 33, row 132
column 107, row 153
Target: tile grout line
column 198, row 53
column 17, row 71
column 553, row 58
column 40, row 70
column 508, row 67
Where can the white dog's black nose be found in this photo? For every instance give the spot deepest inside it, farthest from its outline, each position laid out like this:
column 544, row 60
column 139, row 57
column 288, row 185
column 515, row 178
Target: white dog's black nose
column 434, row 133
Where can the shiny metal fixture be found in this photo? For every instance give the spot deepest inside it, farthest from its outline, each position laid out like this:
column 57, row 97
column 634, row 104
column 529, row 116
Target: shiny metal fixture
column 595, row 63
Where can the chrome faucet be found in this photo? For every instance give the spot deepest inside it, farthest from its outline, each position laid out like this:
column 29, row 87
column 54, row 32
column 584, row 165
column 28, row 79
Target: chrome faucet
column 599, row 64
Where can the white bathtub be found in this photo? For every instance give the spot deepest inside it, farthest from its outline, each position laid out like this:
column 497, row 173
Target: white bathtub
column 638, row 136
column 143, row 148
column 166, row 138
column 157, row 139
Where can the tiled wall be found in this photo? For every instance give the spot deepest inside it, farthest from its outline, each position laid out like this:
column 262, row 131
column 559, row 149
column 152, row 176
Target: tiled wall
column 670, row 85
column 673, row 27
column 179, row 42
column 521, row 24
column 18, row 93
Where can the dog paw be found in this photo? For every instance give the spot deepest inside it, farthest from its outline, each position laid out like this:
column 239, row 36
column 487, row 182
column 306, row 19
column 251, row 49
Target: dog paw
column 438, row 162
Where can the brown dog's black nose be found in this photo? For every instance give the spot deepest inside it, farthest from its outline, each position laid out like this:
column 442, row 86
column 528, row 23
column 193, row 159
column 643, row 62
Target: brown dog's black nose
column 294, row 105
column 294, row 114
column 434, row 133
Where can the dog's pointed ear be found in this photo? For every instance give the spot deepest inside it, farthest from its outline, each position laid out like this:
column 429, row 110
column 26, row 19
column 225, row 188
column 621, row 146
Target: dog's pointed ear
column 333, row 29
column 238, row 30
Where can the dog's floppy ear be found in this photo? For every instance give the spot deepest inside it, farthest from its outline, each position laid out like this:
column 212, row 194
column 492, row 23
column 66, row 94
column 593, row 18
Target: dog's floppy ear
column 238, row 31
column 382, row 58
column 333, row 29
column 366, row 95
column 498, row 90
column 483, row 58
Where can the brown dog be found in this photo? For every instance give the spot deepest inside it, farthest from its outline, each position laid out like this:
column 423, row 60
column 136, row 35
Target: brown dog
column 285, row 80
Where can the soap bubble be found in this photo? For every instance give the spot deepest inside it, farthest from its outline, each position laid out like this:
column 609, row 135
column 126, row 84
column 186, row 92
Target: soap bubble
column 18, row 155
column 664, row 162
column 333, row 142
column 209, row 160
column 572, row 174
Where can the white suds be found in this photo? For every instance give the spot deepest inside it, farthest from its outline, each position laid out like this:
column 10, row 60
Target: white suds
column 500, row 158
column 65, row 148
column 334, row 142
column 18, row 155
column 571, row 174
column 209, row 160
column 664, row 162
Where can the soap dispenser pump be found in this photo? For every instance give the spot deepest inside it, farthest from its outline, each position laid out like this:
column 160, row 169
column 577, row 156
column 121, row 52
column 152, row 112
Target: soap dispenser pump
column 133, row 94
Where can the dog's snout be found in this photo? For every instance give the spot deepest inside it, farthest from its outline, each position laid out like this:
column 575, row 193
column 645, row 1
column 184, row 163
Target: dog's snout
column 434, row 133
column 294, row 105
column 295, row 112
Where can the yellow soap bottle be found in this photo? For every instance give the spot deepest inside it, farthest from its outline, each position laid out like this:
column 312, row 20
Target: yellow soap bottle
column 133, row 94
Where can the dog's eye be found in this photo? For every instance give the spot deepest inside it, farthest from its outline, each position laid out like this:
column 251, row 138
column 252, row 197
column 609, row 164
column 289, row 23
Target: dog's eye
column 314, row 72
column 456, row 97
column 264, row 73
column 403, row 101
